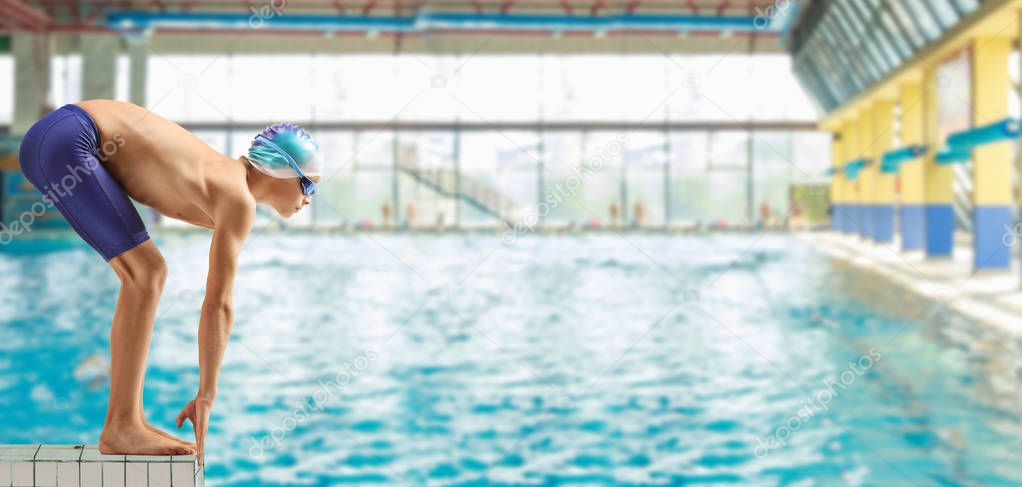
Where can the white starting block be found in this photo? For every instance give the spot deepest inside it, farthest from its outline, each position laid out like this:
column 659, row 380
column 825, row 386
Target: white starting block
column 85, row 466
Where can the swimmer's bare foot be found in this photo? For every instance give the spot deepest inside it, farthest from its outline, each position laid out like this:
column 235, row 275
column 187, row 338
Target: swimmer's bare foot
column 141, row 417
column 168, row 436
column 135, row 439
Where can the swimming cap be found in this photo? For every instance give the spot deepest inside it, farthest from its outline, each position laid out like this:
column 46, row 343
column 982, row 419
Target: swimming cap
column 291, row 139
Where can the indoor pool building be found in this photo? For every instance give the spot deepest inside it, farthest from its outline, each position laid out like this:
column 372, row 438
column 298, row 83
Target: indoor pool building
column 551, row 242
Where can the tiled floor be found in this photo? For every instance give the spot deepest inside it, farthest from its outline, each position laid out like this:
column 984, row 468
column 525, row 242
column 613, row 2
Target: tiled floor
column 84, row 465
column 991, row 297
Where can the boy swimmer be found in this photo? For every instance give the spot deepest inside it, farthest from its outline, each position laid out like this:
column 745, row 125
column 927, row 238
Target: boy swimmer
column 90, row 160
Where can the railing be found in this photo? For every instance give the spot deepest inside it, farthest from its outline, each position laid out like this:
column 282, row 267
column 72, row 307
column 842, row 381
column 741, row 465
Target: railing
column 445, row 181
column 962, row 189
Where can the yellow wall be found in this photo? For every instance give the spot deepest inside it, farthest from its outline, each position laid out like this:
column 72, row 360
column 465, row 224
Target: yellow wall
column 867, row 176
column 837, row 180
column 850, row 136
column 991, row 84
column 936, row 178
column 882, row 141
column 911, row 172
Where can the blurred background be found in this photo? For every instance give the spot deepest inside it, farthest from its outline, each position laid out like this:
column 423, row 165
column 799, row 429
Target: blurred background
column 585, row 242
column 459, row 121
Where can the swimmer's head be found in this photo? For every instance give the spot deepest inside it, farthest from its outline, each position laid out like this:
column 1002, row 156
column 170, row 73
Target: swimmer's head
column 272, row 147
column 272, row 152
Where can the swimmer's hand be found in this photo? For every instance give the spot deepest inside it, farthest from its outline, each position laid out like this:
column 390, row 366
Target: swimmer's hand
column 197, row 411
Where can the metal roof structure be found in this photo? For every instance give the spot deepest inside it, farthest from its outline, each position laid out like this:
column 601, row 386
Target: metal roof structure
column 720, row 24
column 841, row 48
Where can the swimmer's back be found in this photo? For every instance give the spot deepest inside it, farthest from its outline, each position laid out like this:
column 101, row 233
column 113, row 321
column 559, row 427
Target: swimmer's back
column 158, row 162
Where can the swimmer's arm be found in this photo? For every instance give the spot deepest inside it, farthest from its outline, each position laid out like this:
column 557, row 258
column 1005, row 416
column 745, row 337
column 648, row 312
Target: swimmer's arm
column 234, row 221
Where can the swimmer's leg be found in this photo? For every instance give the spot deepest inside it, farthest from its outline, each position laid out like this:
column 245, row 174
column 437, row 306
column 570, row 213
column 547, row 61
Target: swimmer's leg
column 142, row 272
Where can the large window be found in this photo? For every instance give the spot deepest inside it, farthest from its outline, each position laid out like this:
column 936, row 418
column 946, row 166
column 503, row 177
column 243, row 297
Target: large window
column 6, row 88
column 475, row 88
column 66, row 79
column 472, row 179
column 506, row 167
column 500, row 170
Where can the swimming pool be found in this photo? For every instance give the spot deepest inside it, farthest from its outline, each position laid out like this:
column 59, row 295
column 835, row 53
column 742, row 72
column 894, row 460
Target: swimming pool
column 457, row 359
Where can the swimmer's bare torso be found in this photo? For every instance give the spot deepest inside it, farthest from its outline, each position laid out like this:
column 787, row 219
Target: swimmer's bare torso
column 162, row 165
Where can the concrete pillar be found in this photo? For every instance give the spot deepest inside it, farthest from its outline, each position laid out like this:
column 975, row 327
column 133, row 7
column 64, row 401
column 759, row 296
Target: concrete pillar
column 836, row 184
column 911, row 172
column 138, row 62
column 32, row 101
column 938, row 194
column 867, row 176
column 882, row 197
column 992, row 163
column 99, row 65
column 850, row 151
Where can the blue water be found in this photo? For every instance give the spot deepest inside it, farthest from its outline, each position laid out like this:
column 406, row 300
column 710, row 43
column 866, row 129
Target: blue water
column 596, row 360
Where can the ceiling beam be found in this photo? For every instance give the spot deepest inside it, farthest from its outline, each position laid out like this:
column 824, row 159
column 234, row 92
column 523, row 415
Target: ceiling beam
column 25, row 15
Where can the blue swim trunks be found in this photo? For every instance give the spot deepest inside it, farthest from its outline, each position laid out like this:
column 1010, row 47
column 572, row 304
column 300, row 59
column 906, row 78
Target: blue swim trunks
column 61, row 156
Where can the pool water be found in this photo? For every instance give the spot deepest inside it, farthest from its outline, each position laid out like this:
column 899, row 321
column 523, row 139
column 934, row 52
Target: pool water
column 596, row 360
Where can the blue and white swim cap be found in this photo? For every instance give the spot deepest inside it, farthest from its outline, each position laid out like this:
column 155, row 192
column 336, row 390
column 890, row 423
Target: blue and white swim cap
column 292, row 139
